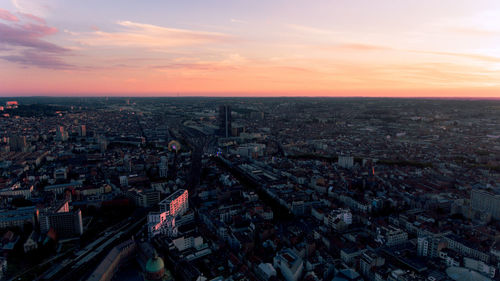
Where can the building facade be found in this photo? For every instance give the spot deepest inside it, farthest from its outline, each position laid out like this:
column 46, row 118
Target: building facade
column 486, row 201
column 65, row 223
column 176, row 204
column 225, row 121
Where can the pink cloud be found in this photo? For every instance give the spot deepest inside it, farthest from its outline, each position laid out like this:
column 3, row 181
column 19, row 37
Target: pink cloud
column 196, row 66
column 39, row 30
column 27, row 45
column 29, row 35
column 32, row 17
column 30, row 58
column 6, row 15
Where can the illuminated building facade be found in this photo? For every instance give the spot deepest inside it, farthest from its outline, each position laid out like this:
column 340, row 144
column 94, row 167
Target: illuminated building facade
column 163, row 222
column 176, row 204
column 160, row 223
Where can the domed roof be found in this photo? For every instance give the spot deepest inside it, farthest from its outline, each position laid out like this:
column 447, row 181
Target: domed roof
column 154, row 264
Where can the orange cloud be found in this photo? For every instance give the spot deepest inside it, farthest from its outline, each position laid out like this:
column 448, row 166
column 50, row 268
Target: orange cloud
column 353, row 47
column 362, row 47
column 134, row 34
column 32, row 17
column 310, row 30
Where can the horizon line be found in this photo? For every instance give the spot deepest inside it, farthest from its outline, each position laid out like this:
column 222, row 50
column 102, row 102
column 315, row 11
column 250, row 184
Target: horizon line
column 249, row 96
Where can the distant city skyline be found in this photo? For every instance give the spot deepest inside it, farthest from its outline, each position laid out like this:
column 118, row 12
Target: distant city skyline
column 250, row 48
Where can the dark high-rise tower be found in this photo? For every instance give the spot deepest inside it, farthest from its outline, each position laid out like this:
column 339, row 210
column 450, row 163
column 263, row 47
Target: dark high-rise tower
column 17, row 143
column 225, row 120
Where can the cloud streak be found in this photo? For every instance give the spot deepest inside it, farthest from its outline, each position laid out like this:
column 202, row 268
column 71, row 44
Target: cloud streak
column 32, row 17
column 310, row 30
column 26, row 45
column 201, row 66
column 132, row 34
column 470, row 56
column 33, row 58
column 7, row 16
column 238, row 21
column 30, row 36
column 38, row 7
column 354, row 47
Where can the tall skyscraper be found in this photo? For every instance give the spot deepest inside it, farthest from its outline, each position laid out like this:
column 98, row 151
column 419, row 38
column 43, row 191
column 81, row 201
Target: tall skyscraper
column 163, row 167
column 82, row 131
column 61, row 133
column 225, row 120
column 103, row 143
column 127, row 163
column 486, row 201
column 17, row 143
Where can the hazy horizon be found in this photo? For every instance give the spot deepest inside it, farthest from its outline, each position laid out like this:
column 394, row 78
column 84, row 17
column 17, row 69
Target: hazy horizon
column 250, row 96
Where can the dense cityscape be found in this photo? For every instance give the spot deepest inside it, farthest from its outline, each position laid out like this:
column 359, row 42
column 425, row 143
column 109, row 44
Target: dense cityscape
column 259, row 189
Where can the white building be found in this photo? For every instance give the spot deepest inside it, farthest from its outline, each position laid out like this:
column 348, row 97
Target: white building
column 266, row 271
column 362, row 205
column 344, row 215
column 250, row 150
column 450, row 257
column 17, row 217
column 123, row 180
column 480, row 266
column 143, row 198
column 60, row 174
column 60, row 188
column 32, row 242
column 163, row 167
column 346, row 162
column 430, row 245
column 17, row 191
column 290, row 264
column 391, row 236
column 485, row 201
column 465, row 249
column 163, row 171
column 423, row 246
column 183, row 243
column 367, row 262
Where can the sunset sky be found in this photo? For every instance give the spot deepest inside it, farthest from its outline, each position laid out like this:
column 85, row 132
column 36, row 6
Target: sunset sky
column 250, row 47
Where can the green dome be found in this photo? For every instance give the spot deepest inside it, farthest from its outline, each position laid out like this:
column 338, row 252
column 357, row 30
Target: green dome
column 154, row 264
